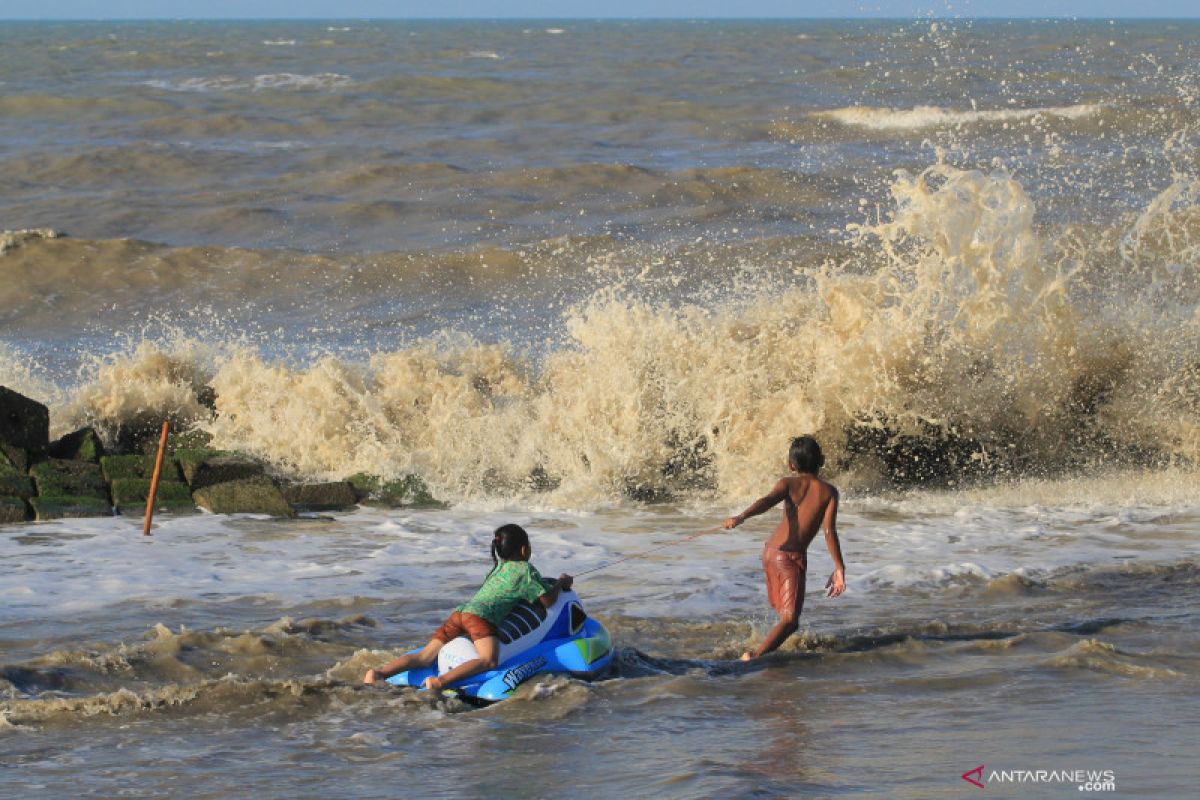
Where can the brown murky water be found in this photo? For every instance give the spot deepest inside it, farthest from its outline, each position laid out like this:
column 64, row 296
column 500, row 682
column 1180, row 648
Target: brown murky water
column 223, row 657
column 592, row 278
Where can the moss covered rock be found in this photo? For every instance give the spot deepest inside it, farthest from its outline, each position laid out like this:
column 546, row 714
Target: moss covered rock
column 224, row 469
column 188, row 440
column 58, row 477
column 15, row 457
column 363, row 484
column 252, row 495
column 24, row 428
column 129, row 495
column 47, row 507
column 191, row 457
column 121, row 467
column 13, row 509
column 81, row 445
column 407, row 492
column 321, row 496
column 205, row 467
column 14, row 483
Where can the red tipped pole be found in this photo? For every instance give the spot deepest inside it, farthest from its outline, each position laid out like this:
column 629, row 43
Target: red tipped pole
column 162, row 449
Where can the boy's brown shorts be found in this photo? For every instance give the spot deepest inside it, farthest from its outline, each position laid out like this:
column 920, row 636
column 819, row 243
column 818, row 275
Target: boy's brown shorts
column 785, row 571
column 459, row 624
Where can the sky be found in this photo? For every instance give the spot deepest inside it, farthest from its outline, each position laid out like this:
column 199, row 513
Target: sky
column 585, row 9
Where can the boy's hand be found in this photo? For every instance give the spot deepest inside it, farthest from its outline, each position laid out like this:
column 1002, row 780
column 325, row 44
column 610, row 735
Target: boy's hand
column 732, row 523
column 565, row 582
column 836, row 583
column 433, row 684
column 370, row 677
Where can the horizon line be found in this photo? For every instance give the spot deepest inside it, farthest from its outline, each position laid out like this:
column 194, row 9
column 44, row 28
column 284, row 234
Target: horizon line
column 761, row 18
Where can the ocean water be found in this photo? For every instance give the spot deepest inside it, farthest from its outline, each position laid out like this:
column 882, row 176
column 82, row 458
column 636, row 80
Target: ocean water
column 591, row 278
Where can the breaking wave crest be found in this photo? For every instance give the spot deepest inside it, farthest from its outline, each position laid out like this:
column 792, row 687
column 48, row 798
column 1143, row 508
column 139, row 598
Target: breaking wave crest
column 955, row 342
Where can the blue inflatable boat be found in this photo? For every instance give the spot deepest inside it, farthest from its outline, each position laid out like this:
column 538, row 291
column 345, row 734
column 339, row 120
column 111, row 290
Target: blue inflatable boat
column 533, row 640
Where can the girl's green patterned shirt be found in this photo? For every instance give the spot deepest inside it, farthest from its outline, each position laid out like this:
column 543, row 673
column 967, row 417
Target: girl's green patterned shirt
column 506, row 586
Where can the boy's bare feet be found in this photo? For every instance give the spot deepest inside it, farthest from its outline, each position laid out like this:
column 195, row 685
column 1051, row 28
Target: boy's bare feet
column 370, row 677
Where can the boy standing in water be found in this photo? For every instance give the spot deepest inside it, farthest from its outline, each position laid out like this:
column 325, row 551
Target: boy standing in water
column 809, row 504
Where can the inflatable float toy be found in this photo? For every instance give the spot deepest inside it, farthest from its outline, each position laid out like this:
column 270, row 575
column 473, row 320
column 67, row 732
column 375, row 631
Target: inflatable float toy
column 561, row 639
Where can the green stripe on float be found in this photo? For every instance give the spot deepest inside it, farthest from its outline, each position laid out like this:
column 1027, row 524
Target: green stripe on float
column 592, row 648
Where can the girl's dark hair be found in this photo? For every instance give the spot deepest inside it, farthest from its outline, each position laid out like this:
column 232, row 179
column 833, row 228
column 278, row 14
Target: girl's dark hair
column 805, row 455
column 507, row 542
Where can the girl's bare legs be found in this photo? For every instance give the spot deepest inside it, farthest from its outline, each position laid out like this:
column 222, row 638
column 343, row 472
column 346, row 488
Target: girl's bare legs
column 424, row 658
column 488, row 650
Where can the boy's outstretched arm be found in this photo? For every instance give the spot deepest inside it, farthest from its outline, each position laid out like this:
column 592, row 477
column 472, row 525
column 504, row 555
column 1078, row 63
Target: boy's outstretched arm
column 837, row 581
column 764, row 503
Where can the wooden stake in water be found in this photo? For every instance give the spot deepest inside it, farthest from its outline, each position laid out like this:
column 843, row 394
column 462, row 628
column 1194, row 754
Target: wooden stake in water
column 162, row 448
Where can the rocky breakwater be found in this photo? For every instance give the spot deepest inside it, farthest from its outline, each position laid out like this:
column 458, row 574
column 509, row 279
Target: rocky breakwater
column 78, row 476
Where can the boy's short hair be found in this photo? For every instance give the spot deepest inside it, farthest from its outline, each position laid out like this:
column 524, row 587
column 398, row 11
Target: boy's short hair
column 805, row 455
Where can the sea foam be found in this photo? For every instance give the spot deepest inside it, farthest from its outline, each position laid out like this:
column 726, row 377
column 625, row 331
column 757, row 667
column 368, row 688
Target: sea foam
column 884, row 119
column 274, row 80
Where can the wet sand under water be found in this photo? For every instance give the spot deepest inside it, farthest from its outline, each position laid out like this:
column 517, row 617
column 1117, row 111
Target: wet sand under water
column 222, row 657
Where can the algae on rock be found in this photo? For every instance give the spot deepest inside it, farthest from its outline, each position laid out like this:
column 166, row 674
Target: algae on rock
column 252, row 495
column 129, row 494
column 134, row 466
column 81, row 445
column 407, row 492
column 189, row 440
column 12, row 509
column 14, row 483
column 206, row 467
column 48, row 507
column 59, row 477
column 331, row 496
column 24, row 428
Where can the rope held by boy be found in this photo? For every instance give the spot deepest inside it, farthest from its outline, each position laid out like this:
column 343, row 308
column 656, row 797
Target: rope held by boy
column 632, row 556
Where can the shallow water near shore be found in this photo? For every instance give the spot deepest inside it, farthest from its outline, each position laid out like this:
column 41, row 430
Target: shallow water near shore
column 591, row 278
column 222, row 655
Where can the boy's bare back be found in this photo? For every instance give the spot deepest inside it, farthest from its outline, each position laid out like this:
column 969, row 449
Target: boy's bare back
column 808, row 503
